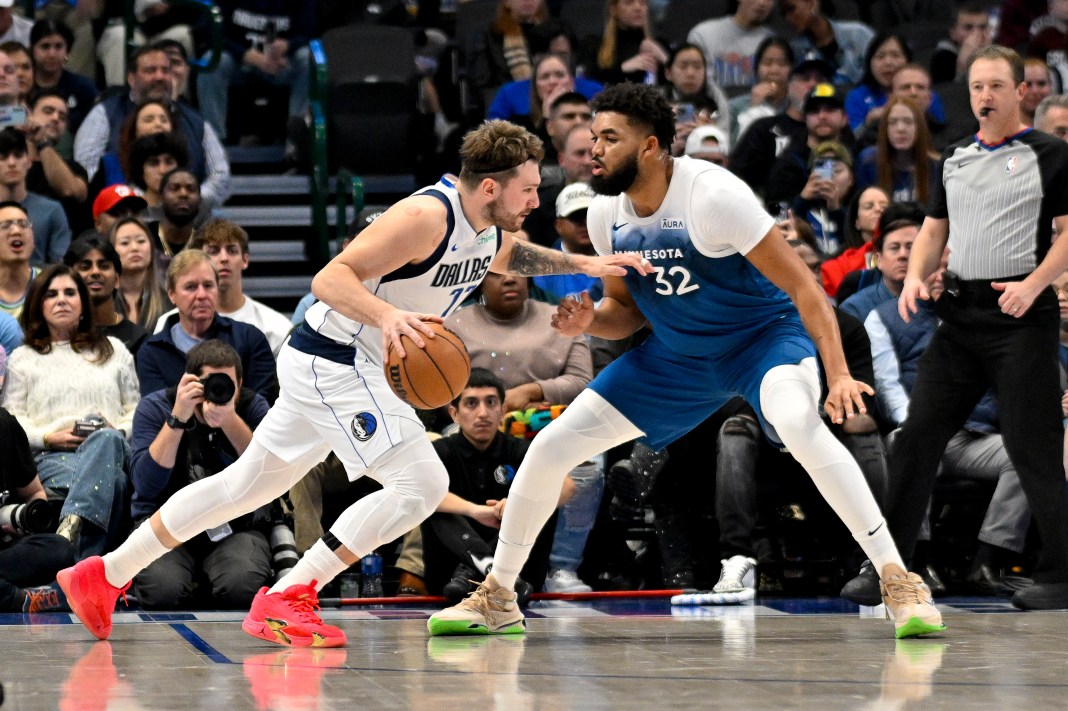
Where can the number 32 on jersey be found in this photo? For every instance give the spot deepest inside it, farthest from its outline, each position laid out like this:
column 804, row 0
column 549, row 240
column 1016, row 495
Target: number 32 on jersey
column 675, row 280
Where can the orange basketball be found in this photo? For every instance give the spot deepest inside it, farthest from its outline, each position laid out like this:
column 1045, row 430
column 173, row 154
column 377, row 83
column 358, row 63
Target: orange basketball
column 429, row 377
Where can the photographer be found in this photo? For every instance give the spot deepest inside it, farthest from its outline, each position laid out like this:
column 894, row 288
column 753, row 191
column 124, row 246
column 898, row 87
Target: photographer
column 28, row 561
column 183, row 434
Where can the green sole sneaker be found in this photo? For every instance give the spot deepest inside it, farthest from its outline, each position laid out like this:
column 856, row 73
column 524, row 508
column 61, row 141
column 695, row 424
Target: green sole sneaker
column 439, row 628
column 916, row 627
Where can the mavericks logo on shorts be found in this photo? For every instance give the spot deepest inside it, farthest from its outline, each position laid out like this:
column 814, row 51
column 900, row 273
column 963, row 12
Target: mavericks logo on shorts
column 364, row 426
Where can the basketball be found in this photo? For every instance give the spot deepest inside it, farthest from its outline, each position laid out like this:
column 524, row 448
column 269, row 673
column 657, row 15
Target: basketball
column 429, row 377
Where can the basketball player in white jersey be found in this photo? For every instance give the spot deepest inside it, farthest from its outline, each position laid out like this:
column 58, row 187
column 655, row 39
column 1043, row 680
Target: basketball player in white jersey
column 733, row 311
column 412, row 265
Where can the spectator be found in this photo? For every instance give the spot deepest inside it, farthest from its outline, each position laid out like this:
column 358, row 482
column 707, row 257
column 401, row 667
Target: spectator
column 529, row 102
column 825, row 120
column 970, row 32
column 53, row 172
column 98, row 264
column 50, row 229
column 13, row 28
column 1016, row 19
column 192, row 286
column 16, row 249
column 150, row 117
column 160, row 20
column 1039, row 85
column 458, row 539
column 150, row 77
column 571, row 206
column 1049, row 38
column 898, row 226
column 901, row 162
column 538, row 367
column 181, row 435
column 114, row 203
column 729, row 44
column 766, row 138
column 141, row 297
column 79, row 17
column 23, row 62
column 625, row 50
column 226, row 245
column 842, row 43
column 264, row 42
column 50, row 43
column 9, row 83
column 700, row 102
column 67, row 373
column 28, row 563
column 152, row 157
column 887, row 53
column 862, row 221
column 823, row 200
column 181, row 211
column 179, row 67
column 768, row 96
column 575, row 166
column 708, row 143
column 1051, row 116
column 566, row 111
column 914, row 83
column 521, row 30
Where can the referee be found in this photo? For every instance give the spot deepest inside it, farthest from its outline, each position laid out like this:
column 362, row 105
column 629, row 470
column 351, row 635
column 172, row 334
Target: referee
column 1000, row 192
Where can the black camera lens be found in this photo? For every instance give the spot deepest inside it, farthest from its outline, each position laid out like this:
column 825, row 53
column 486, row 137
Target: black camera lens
column 32, row 517
column 218, row 388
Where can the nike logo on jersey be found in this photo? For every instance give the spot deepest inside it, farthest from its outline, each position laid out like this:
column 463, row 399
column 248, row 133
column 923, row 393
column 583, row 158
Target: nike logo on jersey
column 619, row 226
column 454, row 248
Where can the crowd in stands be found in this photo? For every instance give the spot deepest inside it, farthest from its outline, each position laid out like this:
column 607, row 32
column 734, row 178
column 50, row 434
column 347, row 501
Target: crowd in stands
column 121, row 288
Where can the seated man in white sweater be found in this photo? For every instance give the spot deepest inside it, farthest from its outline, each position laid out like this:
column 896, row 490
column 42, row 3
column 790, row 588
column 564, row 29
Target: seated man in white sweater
column 226, row 245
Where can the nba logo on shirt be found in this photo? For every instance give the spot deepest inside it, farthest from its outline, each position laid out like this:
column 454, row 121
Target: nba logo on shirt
column 672, row 223
column 1010, row 165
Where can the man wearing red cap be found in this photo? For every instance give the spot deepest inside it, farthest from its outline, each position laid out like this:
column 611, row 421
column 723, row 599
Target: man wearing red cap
column 114, row 203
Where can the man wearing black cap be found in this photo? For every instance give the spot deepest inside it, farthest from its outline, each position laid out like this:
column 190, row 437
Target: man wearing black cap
column 825, row 120
column 766, row 138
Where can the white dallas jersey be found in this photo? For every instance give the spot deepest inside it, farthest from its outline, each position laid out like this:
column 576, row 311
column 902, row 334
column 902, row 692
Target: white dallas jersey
column 436, row 285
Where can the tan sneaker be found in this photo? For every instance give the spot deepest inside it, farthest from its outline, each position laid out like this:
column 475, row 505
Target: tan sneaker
column 490, row 609
column 908, row 601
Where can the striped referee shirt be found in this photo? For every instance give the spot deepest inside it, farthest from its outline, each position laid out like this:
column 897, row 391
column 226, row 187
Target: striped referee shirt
column 1000, row 200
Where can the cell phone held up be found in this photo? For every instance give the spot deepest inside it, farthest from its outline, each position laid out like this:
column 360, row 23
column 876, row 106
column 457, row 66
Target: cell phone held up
column 12, row 116
column 824, row 168
column 685, row 113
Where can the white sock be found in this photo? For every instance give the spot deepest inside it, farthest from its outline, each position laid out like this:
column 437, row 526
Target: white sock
column 879, row 546
column 139, row 551
column 319, row 564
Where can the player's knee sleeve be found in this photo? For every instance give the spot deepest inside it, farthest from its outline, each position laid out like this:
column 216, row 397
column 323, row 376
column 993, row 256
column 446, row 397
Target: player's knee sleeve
column 256, row 478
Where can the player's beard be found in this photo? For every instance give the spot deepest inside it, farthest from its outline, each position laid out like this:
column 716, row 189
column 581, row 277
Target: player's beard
column 508, row 222
column 618, row 181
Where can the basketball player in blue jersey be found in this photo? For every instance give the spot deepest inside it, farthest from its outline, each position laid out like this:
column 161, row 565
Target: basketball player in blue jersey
column 412, row 265
column 733, row 311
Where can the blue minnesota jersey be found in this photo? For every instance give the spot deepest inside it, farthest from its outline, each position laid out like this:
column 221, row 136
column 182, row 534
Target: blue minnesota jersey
column 436, row 285
column 705, row 297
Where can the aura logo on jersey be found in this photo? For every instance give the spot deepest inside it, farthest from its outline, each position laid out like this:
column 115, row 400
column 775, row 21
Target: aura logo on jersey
column 461, row 272
column 672, row 223
column 364, row 425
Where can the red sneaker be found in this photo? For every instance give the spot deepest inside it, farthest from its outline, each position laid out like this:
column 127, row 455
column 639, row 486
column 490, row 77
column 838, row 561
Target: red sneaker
column 90, row 596
column 289, row 618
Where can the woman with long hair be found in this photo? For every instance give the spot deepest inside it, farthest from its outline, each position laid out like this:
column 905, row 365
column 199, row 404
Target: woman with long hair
column 862, row 221
column 528, row 102
column 150, row 117
column 865, row 103
column 626, row 50
column 74, row 391
column 773, row 60
column 141, row 296
column 687, row 88
column 901, row 162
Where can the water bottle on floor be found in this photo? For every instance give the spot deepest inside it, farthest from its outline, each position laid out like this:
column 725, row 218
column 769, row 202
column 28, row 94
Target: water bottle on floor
column 371, row 575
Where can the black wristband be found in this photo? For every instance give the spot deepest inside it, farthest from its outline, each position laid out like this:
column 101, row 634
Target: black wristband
column 175, row 424
column 47, row 143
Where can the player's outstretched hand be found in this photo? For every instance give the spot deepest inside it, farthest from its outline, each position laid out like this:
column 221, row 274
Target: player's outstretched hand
column 573, row 317
column 912, row 291
column 844, row 398
column 396, row 323
column 612, row 264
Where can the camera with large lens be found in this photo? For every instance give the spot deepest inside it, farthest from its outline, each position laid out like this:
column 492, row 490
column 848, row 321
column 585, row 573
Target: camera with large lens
column 218, row 388
column 32, row 517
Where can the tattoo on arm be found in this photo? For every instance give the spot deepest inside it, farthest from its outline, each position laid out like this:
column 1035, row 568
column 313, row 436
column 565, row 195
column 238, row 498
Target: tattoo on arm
column 534, row 260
